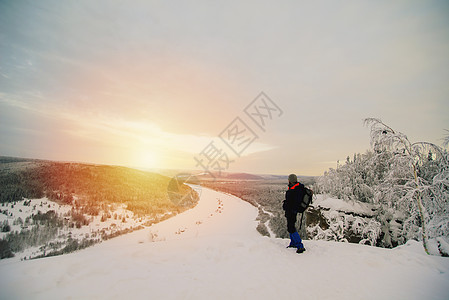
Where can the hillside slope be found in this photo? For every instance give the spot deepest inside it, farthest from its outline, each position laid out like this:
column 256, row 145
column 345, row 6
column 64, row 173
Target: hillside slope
column 214, row 251
column 49, row 208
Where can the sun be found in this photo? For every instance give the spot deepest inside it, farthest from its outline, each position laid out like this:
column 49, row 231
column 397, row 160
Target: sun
column 148, row 159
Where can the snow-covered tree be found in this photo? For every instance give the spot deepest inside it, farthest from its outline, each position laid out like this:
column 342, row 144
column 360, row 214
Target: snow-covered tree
column 352, row 181
column 408, row 182
column 416, row 182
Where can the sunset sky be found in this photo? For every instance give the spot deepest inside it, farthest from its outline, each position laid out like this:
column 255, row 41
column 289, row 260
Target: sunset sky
column 152, row 83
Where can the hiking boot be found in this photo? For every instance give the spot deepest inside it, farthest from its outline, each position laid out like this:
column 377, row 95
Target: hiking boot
column 300, row 250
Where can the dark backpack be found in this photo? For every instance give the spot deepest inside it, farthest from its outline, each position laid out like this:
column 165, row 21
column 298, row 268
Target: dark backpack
column 306, row 200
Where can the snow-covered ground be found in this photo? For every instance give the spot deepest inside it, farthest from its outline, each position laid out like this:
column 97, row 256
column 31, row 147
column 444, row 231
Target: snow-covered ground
column 334, row 204
column 119, row 219
column 22, row 210
column 214, row 252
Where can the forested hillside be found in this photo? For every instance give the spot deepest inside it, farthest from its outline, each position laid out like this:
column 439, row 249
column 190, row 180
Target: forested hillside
column 75, row 195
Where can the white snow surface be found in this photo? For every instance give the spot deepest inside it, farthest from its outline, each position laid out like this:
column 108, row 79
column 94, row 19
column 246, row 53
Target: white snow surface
column 214, row 252
column 357, row 207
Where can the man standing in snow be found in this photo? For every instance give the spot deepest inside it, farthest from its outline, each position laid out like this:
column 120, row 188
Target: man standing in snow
column 293, row 195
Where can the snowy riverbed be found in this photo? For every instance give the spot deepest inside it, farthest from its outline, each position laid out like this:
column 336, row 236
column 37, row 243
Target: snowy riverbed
column 214, row 251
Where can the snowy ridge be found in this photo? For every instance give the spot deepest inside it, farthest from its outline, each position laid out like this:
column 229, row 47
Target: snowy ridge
column 214, row 251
